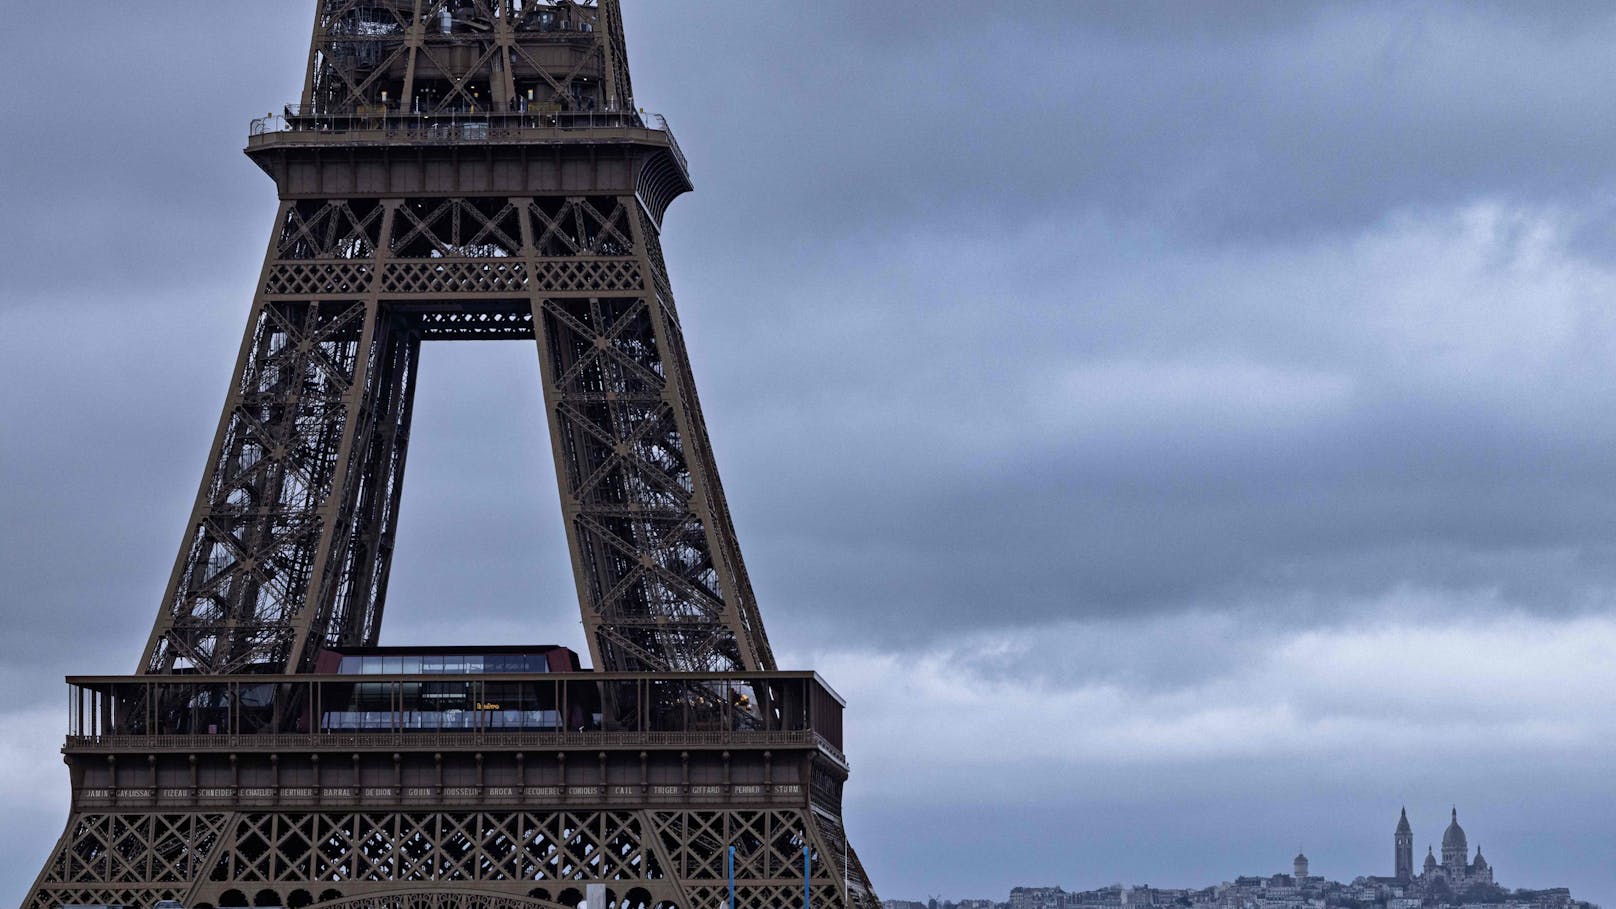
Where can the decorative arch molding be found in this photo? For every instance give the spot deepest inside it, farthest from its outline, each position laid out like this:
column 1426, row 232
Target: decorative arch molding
column 662, row 178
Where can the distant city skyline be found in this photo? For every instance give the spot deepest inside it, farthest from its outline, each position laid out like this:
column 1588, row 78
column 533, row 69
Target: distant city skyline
column 1452, row 881
column 1453, row 874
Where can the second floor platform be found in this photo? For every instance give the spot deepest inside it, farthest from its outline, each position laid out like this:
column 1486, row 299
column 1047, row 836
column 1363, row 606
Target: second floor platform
column 379, row 700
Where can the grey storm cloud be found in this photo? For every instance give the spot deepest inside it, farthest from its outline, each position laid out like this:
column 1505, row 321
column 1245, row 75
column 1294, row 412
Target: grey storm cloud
column 1171, row 361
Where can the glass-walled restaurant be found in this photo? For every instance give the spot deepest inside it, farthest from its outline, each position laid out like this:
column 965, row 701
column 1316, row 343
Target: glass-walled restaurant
column 456, row 704
column 447, row 660
column 511, row 692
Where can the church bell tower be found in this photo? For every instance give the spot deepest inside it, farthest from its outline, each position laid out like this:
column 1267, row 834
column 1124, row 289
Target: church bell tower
column 1403, row 848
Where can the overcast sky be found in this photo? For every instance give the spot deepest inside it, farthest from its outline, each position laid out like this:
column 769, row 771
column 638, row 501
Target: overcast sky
column 1181, row 430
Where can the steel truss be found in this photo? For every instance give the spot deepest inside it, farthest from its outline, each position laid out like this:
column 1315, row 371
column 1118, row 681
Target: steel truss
column 467, row 54
column 292, row 533
column 648, row 859
column 454, row 170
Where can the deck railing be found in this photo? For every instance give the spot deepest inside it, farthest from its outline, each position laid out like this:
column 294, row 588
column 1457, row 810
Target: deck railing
column 564, row 709
column 491, row 739
column 458, row 127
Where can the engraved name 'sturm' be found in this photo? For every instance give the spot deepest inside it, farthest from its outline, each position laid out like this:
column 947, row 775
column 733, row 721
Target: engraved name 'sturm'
column 457, row 170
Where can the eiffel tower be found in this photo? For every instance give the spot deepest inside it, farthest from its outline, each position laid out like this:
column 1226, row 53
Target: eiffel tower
column 457, row 170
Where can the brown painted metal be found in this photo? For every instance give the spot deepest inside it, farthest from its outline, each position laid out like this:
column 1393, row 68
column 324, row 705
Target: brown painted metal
column 455, row 170
column 425, row 199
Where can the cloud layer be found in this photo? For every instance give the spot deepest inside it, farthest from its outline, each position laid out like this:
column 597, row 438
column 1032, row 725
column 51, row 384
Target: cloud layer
column 1180, row 431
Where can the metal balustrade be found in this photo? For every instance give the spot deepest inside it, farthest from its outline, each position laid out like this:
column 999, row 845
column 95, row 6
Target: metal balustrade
column 382, row 125
column 577, row 709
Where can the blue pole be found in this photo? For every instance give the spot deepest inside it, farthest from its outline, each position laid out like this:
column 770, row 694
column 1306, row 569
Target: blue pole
column 731, row 868
column 805, row 899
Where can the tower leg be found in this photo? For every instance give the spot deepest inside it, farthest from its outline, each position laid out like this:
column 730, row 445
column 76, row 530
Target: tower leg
column 291, row 538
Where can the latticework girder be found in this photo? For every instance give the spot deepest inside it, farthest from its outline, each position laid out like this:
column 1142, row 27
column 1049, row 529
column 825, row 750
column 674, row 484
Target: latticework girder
column 440, row 56
column 456, row 170
column 292, row 535
column 461, row 857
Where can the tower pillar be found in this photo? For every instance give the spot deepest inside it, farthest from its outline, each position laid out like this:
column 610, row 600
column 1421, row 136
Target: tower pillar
column 457, row 170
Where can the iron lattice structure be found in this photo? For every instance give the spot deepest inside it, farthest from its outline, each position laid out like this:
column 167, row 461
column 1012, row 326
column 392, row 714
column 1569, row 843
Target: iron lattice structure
column 552, row 235
column 456, row 170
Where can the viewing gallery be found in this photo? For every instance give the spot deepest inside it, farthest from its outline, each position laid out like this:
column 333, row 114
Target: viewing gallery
column 518, row 689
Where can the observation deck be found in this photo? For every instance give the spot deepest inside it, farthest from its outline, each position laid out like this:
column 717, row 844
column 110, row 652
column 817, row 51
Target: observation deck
column 427, row 739
column 381, row 151
column 494, row 711
column 381, row 126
